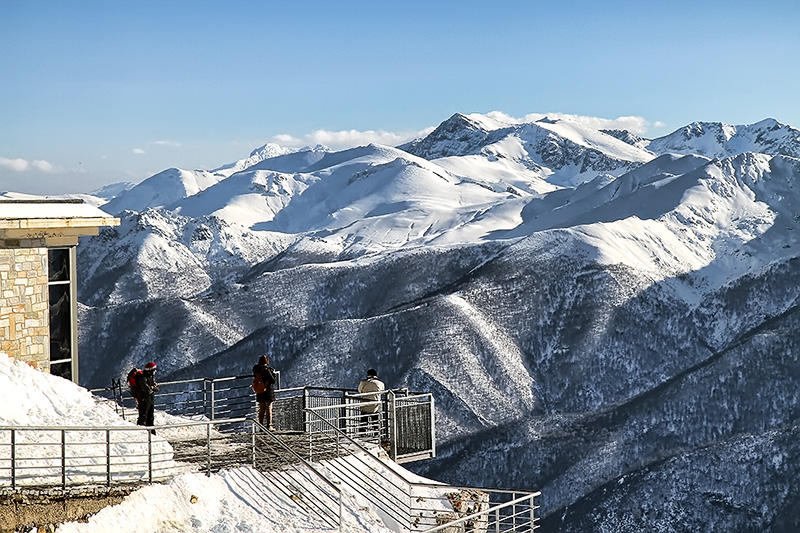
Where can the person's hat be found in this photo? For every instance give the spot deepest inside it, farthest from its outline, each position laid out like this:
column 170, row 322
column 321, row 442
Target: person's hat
column 372, row 373
column 150, row 366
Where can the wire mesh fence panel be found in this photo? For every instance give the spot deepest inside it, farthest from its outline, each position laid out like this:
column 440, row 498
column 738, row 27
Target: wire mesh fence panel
column 414, row 430
column 287, row 411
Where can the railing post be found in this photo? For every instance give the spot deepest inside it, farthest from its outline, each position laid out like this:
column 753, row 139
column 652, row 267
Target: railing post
column 205, row 398
column 514, row 512
column 497, row 520
column 212, row 399
column 253, row 428
column 392, row 426
column 303, row 411
column 433, row 428
column 149, row 457
column 63, row 459
column 13, row 458
column 310, row 445
column 208, row 439
column 533, row 513
column 108, row 457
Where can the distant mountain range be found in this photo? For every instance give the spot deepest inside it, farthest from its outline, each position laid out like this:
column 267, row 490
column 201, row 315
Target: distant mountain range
column 610, row 319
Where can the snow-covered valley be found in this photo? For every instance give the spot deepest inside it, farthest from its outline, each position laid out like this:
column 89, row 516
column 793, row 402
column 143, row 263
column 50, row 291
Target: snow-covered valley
column 608, row 319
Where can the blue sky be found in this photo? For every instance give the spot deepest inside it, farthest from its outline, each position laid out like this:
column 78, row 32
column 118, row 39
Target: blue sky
column 99, row 92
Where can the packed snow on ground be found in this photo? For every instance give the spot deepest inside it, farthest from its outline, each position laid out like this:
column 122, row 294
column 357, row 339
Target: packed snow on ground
column 240, row 499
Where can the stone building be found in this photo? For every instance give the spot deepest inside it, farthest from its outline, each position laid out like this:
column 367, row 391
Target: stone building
column 38, row 285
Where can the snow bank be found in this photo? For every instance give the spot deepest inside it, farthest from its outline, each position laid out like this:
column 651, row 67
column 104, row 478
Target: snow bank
column 36, row 399
column 240, row 499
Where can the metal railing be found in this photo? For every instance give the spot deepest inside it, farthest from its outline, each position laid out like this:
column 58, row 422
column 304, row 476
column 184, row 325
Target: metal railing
column 227, row 397
column 401, row 422
column 82, row 457
column 70, row 456
column 295, row 477
column 413, row 506
column 404, row 421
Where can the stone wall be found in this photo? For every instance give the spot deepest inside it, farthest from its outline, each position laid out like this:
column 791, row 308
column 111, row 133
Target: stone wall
column 24, row 311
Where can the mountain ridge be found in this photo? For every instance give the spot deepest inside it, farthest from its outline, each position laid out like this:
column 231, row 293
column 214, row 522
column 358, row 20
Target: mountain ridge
column 635, row 321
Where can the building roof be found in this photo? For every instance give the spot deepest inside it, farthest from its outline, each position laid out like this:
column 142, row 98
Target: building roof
column 57, row 220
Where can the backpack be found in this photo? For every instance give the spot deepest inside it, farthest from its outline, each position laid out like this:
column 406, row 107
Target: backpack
column 133, row 375
column 258, row 384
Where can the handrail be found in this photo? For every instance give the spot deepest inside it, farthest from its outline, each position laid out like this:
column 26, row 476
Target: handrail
column 309, row 467
column 84, row 459
column 390, row 504
column 294, row 454
column 217, row 422
column 526, row 495
column 486, row 512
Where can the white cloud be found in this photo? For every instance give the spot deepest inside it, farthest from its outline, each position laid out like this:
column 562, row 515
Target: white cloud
column 138, row 151
column 19, row 165
column 23, row 165
column 42, row 165
column 172, row 144
column 341, row 139
column 634, row 124
column 659, row 124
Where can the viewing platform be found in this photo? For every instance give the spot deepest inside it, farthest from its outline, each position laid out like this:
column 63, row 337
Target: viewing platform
column 322, row 448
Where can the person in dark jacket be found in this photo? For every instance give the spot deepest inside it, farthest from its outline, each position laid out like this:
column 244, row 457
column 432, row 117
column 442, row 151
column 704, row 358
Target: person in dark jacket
column 144, row 392
column 266, row 375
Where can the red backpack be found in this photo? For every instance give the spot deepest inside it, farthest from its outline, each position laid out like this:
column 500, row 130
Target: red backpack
column 258, row 384
column 133, row 375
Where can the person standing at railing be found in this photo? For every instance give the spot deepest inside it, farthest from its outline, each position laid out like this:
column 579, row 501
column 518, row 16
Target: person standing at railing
column 370, row 413
column 264, row 386
column 143, row 388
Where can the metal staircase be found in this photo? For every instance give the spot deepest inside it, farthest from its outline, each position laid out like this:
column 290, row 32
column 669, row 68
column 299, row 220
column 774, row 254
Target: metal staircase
column 325, row 446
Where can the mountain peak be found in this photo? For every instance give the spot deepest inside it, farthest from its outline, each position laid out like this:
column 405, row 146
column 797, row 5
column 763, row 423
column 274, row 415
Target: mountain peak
column 270, row 150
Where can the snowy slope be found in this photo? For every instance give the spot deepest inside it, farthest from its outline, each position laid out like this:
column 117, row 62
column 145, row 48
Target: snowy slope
column 239, row 499
column 366, row 199
column 42, row 399
column 162, row 189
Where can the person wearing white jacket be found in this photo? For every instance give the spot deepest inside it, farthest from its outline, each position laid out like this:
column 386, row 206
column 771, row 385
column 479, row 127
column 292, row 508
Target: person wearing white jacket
column 370, row 413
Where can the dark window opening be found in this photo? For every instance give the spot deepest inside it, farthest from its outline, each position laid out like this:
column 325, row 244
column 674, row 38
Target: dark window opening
column 63, row 370
column 61, row 312
column 60, row 323
column 58, row 264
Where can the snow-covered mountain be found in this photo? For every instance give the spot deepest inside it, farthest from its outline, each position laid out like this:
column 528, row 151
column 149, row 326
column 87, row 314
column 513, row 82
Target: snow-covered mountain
column 162, row 189
column 717, row 139
column 559, row 151
column 609, row 319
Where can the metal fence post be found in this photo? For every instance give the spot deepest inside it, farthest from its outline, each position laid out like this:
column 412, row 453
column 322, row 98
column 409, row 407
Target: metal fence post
column 63, row 459
column 533, row 514
column 497, row 520
column 212, row 399
column 149, row 457
column 392, row 426
column 514, row 512
column 108, row 457
column 13, row 458
column 433, row 428
column 205, row 398
column 208, row 439
column 253, row 429
column 303, row 412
